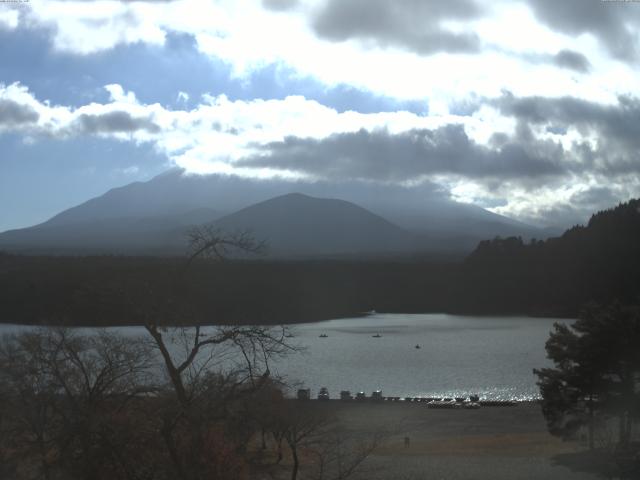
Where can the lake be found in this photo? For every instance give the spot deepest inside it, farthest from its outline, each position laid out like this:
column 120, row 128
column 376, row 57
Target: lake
column 458, row 355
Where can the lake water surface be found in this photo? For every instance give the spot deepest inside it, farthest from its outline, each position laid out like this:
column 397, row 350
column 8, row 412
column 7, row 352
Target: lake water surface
column 458, row 355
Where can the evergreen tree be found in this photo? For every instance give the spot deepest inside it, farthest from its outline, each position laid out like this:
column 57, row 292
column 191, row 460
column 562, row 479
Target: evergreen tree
column 597, row 370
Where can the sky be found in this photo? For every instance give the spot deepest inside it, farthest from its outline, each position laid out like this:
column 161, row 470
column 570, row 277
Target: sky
column 527, row 108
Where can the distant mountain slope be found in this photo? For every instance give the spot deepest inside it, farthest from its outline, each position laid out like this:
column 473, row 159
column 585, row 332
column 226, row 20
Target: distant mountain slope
column 154, row 214
column 296, row 225
column 162, row 234
column 167, row 194
column 174, row 192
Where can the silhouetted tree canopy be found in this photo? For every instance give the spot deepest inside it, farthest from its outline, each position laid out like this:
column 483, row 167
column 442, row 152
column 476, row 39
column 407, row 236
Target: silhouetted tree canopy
column 596, row 371
column 599, row 262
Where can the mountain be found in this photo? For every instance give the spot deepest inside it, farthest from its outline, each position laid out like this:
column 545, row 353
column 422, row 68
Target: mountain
column 160, row 234
column 300, row 225
column 292, row 225
column 152, row 216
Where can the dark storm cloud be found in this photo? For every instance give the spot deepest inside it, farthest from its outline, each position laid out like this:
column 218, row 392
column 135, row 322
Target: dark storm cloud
column 382, row 156
column 566, row 59
column 578, row 209
column 409, row 24
column 594, row 198
column 616, row 129
column 115, row 122
column 279, row 5
column 619, row 122
column 614, row 23
column 13, row 113
column 572, row 60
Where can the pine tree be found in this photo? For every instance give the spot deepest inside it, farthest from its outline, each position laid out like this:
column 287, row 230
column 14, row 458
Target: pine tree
column 597, row 370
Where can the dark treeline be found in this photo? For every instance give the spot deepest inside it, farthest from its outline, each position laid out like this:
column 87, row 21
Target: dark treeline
column 598, row 262
column 135, row 290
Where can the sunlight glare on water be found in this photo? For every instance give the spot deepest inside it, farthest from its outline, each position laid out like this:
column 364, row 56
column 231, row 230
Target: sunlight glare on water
column 458, row 355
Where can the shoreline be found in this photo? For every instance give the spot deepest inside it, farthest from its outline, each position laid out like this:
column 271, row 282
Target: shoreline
column 288, row 324
column 496, row 443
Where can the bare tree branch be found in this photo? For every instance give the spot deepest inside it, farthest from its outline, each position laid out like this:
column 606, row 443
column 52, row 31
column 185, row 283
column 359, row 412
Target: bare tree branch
column 208, row 241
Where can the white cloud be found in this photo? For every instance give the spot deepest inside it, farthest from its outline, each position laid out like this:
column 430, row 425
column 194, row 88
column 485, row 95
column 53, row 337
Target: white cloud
column 249, row 37
column 89, row 27
column 182, row 97
column 207, row 138
column 217, row 133
column 212, row 133
column 117, row 94
column 9, row 18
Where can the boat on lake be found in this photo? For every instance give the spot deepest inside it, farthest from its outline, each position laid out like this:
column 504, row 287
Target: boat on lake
column 377, row 335
column 323, row 335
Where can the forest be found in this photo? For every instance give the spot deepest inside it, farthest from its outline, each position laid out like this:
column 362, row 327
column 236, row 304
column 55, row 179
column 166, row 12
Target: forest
column 597, row 262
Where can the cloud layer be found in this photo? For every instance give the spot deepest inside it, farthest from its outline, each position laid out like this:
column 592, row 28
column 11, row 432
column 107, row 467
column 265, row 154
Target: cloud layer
column 550, row 161
column 406, row 49
column 613, row 23
column 13, row 113
column 527, row 106
column 411, row 24
column 409, row 156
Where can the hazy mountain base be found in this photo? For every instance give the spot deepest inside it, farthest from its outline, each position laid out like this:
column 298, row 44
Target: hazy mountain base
column 152, row 218
column 599, row 262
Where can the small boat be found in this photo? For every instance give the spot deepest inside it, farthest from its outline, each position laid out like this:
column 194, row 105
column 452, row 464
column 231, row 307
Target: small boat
column 323, row 335
column 377, row 335
column 289, row 335
column 417, row 346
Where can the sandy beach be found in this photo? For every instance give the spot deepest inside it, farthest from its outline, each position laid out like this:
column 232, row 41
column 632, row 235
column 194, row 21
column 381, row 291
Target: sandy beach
column 491, row 442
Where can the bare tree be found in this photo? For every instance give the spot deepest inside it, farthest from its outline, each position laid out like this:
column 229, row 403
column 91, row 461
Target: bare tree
column 94, row 406
column 320, row 447
column 67, row 392
column 299, row 426
column 208, row 241
column 339, row 454
column 211, row 369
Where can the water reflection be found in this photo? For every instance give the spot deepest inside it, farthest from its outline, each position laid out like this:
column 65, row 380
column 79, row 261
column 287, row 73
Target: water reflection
column 458, row 355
